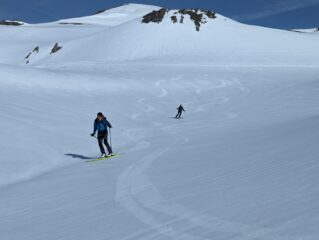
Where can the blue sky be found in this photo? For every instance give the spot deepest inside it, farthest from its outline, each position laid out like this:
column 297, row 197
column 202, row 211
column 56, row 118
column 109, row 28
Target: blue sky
column 271, row 13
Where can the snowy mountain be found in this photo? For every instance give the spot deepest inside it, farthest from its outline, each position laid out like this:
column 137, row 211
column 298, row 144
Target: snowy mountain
column 217, row 39
column 240, row 165
column 114, row 16
column 11, row 23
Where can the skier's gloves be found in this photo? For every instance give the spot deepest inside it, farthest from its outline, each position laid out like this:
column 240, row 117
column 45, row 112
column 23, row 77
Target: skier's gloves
column 92, row 134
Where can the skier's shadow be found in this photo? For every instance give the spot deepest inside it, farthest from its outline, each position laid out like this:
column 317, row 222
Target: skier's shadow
column 77, row 156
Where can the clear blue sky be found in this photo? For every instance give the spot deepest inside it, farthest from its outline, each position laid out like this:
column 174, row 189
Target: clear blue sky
column 271, row 13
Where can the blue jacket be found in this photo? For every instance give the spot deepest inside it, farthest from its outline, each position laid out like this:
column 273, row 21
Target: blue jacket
column 101, row 126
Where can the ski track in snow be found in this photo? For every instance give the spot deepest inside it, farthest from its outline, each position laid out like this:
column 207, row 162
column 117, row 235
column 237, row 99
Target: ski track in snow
column 139, row 195
column 149, row 108
column 164, row 92
column 136, row 192
column 216, row 101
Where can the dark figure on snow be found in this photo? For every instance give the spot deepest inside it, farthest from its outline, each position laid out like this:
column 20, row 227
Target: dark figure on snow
column 101, row 125
column 180, row 109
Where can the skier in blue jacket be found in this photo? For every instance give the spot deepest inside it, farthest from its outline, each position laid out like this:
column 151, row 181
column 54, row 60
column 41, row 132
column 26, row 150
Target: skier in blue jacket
column 101, row 125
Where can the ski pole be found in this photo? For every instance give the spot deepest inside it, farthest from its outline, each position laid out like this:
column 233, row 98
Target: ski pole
column 111, row 138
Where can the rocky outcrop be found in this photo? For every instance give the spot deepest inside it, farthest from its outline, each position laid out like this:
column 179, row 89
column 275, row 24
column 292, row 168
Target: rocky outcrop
column 29, row 57
column 35, row 51
column 29, row 54
column 10, row 23
column 313, row 30
column 155, row 16
column 198, row 16
column 210, row 14
column 56, row 48
column 182, row 19
column 70, row 23
column 174, row 19
column 100, row 11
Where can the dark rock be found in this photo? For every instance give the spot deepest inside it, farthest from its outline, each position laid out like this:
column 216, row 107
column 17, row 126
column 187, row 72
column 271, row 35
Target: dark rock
column 71, row 23
column 210, row 14
column 10, row 23
column 182, row 19
column 29, row 54
column 100, row 11
column 293, row 30
column 174, row 19
column 36, row 49
column 155, row 16
column 55, row 48
column 197, row 17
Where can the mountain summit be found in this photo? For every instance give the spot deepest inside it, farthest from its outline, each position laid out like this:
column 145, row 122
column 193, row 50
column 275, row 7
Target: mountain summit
column 136, row 32
column 114, row 16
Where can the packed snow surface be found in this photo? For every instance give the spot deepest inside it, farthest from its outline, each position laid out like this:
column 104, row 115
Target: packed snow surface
column 242, row 163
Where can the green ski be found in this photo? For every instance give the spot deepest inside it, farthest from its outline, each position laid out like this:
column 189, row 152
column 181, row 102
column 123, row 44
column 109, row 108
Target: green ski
column 102, row 158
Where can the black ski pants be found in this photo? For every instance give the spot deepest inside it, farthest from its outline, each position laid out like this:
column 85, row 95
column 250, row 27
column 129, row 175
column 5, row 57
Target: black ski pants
column 102, row 138
column 179, row 114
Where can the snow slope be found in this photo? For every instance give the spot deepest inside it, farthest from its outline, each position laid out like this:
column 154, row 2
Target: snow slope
column 114, row 16
column 221, row 40
column 241, row 165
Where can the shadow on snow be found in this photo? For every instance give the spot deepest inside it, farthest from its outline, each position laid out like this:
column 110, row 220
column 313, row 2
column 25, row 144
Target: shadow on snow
column 77, row 156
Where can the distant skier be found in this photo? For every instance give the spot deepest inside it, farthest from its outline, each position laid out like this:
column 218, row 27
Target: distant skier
column 101, row 125
column 180, row 109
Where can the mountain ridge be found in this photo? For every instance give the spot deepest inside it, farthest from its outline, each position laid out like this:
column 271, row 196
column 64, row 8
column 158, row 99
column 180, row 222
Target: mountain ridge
column 121, row 34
